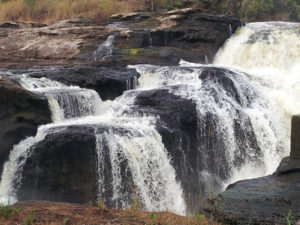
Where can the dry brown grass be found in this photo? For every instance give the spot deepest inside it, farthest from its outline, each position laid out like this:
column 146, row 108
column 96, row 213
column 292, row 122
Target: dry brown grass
column 50, row 11
column 164, row 218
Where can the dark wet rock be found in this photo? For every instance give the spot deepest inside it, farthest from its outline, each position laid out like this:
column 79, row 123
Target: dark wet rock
column 186, row 34
column 109, row 82
column 265, row 200
column 21, row 112
column 295, row 140
column 288, row 165
column 63, row 167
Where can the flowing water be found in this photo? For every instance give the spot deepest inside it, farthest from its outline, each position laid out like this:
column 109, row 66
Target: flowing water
column 243, row 103
column 142, row 149
column 104, row 50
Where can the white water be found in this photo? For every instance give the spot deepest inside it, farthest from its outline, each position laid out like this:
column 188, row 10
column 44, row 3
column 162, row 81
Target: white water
column 226, row 111
column 104, row 50
column 148, row 162
column 270, row 54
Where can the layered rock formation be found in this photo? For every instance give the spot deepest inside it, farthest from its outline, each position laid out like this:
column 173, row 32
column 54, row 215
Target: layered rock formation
column 184, row 34
column 273, row 199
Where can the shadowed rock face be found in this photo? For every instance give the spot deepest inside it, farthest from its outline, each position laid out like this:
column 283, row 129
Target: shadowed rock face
column 295, row 140
column 265, row 200
column 21, row 112
column 62, row 167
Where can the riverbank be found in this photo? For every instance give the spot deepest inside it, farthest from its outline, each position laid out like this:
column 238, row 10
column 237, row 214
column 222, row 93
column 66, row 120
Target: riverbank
column 46, row 213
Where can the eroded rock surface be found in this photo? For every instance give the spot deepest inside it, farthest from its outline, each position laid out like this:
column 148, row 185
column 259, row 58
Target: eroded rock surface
column 184, row 34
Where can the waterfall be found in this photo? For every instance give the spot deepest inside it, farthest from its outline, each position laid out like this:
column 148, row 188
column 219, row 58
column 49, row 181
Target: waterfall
column 65, row 101
column 148, row 163
column 243, row 104
column 250, row 110
column 270, row 54
column 104, row 50
column 139, row 147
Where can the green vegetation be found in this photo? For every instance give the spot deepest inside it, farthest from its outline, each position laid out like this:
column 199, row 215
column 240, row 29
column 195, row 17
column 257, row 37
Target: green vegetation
column 289, row 217
column 6, row 211
column 28, row 220
column 66, row 219
column 50, row 11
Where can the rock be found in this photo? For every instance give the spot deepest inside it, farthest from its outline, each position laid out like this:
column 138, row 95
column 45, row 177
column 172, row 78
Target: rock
column 109, row 82
column 64, row 167
column 186, row 34
column 181, row 11
column 129, row 16
column 21, row 112
column 288, row 165
column 295, row 137
column 192, row 36
column 265, row 200
column 10, row 25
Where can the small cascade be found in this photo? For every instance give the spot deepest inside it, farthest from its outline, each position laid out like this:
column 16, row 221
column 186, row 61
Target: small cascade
column 230, row 29
column 206, row 60
column 12, row 170
column 105, row 50
column 150, row 38
column 65, row 101
column 148, row 164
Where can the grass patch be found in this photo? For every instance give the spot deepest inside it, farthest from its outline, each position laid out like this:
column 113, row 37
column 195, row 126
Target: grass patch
column 6, row 211
column 28, row 220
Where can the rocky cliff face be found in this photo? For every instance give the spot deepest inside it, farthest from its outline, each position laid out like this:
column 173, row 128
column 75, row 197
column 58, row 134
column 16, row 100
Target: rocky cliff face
column 266, row 200
column 160, row 39
column 21, row 112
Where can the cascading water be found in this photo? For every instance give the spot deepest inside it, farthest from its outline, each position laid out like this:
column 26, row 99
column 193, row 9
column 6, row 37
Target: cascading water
column 228, row 105
column 241, row 126
column 139, row 146
column 270, row 54
column 104, row 50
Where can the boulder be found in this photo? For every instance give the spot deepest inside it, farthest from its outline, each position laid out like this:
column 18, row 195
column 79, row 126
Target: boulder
column 266, row 200
column 62, row 167
column 273, row 199
column 21, row 112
